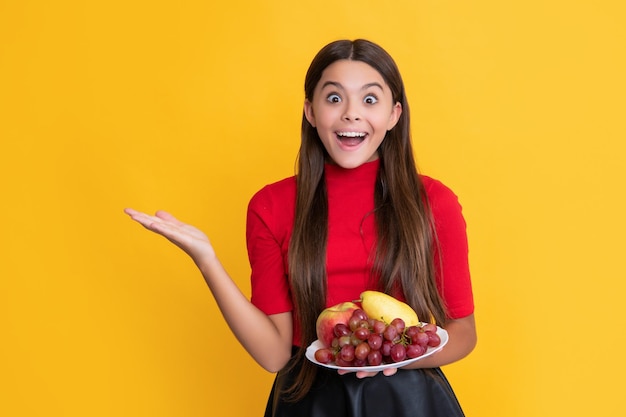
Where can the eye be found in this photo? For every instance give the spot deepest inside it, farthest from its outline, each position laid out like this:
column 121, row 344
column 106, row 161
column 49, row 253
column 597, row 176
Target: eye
column 370, row 99
column 333, row 98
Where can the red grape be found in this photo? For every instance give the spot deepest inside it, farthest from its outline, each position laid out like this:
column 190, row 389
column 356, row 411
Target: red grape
column 390, row 333
column 378, row 326
column 375, row 341
column 385, row 349
column 429, row 327
column 367, row 341
column 374, row 358
column 359, row 362
column 421, row 339
column 398, row 352
column 360, row 314
column 344, row 363
column 412, row 332
column 362, row 333
column 323, row 355
column 341, row 329
column 362, row 350
column 399, row 324
column 433, row 339
column 347, row 353
column 414, row 351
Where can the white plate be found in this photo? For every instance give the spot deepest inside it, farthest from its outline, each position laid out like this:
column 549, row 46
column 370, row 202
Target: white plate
column 313, row 347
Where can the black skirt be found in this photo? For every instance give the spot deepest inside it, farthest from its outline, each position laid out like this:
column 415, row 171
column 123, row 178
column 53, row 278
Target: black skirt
column 408, row 393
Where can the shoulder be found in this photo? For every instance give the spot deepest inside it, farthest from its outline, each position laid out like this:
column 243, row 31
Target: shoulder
column 270, row 215
column 436, row 191
column 274, row 206
column 443, row 202
column 278, row 193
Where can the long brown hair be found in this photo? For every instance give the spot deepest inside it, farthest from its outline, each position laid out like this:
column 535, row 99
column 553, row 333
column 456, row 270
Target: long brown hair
column 403, row 260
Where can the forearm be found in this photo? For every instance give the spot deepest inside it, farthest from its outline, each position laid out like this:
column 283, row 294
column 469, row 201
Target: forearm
column 462, row 340
column 267, row 340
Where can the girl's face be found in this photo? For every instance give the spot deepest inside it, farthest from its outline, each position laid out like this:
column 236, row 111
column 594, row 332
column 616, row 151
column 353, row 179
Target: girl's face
column 352, row 109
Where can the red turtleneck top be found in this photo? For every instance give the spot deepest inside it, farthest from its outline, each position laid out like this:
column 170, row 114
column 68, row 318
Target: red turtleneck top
column 351, row 237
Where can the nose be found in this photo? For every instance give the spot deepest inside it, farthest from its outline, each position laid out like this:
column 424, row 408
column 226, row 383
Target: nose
column 351, row 112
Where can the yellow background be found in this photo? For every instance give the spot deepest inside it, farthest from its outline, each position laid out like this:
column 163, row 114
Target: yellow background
column 191, row 106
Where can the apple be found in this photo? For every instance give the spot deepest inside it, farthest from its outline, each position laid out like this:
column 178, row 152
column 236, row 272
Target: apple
column 330, row 317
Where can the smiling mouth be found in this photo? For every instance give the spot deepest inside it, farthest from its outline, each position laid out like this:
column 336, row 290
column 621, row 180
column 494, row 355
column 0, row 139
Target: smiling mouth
column 351, row 138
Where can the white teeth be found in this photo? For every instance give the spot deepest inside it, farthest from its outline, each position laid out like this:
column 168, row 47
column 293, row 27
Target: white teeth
column 351, row 134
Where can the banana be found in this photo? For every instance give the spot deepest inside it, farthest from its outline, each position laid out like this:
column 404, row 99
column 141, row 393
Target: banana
column 384, row 307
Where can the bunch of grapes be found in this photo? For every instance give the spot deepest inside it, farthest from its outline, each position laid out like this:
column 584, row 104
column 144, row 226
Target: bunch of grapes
column 367, row 341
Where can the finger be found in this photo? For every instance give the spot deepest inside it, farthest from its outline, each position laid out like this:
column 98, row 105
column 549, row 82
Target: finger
column 138, row 216
column 149, row 222
column 359, row 374
column 390, row 371
column 162, row 214
column 363, row 374
column 130, row 211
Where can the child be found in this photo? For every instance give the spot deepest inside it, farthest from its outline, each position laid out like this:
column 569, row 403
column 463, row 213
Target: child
column 356, row 216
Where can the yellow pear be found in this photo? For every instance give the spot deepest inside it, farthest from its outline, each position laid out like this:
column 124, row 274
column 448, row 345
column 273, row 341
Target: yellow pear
column 380, row 306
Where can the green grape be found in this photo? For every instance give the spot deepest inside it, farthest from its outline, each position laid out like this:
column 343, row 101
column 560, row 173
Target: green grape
column 344, row 340
column 353, row 323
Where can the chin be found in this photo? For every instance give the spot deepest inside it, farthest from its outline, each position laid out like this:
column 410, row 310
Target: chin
column 351, row 163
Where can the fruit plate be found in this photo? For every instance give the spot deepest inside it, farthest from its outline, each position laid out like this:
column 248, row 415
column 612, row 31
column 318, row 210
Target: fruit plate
column 313, row 347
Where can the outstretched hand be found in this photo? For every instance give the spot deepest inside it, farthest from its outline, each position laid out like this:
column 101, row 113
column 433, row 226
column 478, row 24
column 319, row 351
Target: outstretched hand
column 187, row 237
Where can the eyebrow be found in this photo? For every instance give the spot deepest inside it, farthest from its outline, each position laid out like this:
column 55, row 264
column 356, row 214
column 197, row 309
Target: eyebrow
column 338, row 85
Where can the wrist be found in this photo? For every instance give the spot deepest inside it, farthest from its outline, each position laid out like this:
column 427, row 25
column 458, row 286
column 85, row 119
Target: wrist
column 207, row 263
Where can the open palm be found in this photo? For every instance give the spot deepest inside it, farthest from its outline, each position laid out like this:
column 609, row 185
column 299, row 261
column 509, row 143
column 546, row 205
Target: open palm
column 187, row 237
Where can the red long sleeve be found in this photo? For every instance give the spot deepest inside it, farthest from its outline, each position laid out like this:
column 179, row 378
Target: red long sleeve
column 351, row 236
